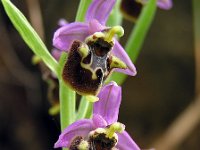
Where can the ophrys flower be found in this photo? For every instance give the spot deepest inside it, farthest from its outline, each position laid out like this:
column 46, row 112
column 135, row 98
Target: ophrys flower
column 102, row 132
column 89, row 38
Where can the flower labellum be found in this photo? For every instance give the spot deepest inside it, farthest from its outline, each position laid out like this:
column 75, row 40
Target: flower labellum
column 105, row 138
column 90, row 62
column 99, row 139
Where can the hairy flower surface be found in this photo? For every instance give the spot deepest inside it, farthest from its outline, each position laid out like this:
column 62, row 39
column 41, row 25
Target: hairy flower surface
column 102, row 132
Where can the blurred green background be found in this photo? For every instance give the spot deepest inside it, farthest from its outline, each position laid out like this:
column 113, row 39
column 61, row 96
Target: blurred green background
column 161, row 91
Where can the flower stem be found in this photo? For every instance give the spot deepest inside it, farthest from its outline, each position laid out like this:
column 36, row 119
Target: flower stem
column 137, row 36
column 139, row 33
column 67, row 105
column 82, row 8
column 115, row 17
column 89, row 110
column 83, row 108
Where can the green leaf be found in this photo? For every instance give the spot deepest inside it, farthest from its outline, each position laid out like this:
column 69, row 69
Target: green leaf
column 137, row 36
column 29, row 35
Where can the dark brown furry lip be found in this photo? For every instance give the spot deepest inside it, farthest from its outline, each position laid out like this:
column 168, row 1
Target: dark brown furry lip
column 79, row 78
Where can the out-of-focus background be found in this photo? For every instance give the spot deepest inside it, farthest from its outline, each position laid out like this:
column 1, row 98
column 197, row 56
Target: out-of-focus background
column 152, row 101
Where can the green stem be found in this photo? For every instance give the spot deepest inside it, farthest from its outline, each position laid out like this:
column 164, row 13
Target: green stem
column 137, row 36
column 139, row 33
column 82, row 8
column 115, row 17
column 67, row 105
column 89, row 110
column 83, row 108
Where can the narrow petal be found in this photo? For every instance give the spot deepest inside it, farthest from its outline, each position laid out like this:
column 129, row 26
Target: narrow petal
column 121, row 53
column 109, row 102
column 95, row 26
column 78, row 128
column 125, row 142
column 100, row 10
column 98, row 121
column 65, row 35
column 164, row 4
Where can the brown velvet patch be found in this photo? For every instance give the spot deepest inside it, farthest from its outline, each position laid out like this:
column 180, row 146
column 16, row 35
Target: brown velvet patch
column 86, row 74
column 101, row 142
column 131, row 9
column 79, row 78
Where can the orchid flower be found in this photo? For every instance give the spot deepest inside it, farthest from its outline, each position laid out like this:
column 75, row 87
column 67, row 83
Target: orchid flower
column 102, row 132
column 95, row 21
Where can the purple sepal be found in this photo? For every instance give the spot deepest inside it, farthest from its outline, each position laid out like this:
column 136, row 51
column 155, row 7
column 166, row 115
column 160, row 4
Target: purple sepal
column 78, row 128
column 109, row 102
column 125, row 142
column 100, row 10
column 65, row 35
column 119, row 51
